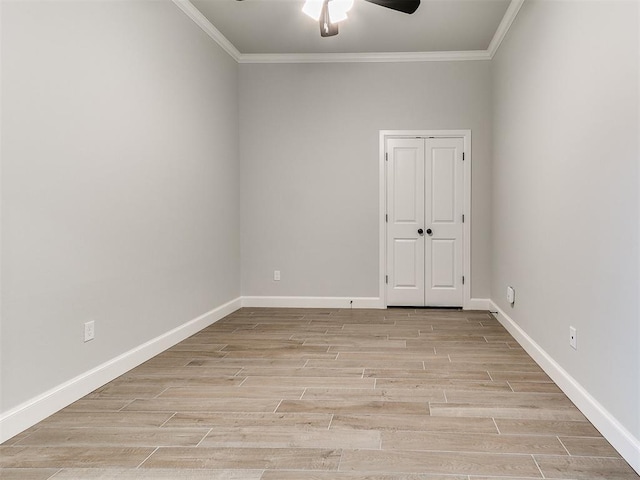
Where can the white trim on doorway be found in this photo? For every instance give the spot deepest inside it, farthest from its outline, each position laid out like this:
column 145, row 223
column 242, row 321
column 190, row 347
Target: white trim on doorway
column 382, row 246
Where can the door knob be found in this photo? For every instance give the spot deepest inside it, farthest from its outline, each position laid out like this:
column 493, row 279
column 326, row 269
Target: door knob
column 429, row 232
column 420, row 231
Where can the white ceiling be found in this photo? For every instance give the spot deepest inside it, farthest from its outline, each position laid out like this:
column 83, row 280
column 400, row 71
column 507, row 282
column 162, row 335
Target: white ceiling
column 280, row 27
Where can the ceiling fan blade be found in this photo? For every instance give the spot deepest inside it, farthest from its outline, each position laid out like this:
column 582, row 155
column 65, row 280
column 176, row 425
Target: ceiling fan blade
column 404, row 6
column 327, row 29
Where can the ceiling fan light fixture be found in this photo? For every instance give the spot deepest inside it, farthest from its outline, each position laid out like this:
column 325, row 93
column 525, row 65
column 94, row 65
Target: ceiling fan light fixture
column 313, row 8
column 337, row 9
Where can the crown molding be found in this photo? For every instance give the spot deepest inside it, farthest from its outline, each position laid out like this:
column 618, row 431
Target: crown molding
column 369, row 57
column 363, row 57
column 503, row 28
column 194, row 14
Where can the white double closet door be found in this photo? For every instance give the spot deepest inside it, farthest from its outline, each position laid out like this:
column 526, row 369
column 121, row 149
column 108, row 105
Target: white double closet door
column 425, row 196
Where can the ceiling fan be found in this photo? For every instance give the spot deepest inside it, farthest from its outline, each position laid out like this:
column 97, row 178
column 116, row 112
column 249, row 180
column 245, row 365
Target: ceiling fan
column 330, row 12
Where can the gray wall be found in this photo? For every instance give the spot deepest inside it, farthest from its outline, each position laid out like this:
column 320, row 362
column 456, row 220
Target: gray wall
column 120, row 183
column 309, row 167
column 565, row 183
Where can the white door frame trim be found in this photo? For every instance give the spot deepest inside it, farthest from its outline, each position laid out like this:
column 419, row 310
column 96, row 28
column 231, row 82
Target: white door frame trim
column 466, row 227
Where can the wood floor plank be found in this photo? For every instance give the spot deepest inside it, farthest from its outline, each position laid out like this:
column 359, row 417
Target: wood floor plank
column 106, row 419
column 395, row 355
column 396, row 348
column 172, row 380
column 535, row 387
column 585, row 468
column 494, row 477
column 580, row 428
column 27, row 473
column 445, row 384
column 179, row 354
column 509, row 398
column 291, row 437
column 438, row 462
column 183, row 371
column 367, row 364
column 127, row 391
column 514, row 358
column 309, row 475
column 341, row 336
column 589, row 447
column 246, row 458
column 428, row 374
column 453, row 346
column 163, row 362
column 231, row 393
column 203, row 405
column 414, row 423
column 346, row 406
column 465, row 442
column 157, row 474
column 22, row 435
column 97, row 405
column 301, row 372
column 264, row 344
column 299, row 354
column 116, row 436
column 363, row 394
column 516, row 376
column 205, row 347
column 72, row 457
column 480, row 366
column 324, row 382
column 258, row 362
column 227, row 419
column 405, row 332
column 509, row 411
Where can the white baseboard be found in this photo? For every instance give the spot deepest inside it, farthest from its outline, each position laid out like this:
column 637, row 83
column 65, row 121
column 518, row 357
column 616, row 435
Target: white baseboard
column 313, row 302
column 478, row 304
column 38, row 408
column 339, row 302
column 622, row 439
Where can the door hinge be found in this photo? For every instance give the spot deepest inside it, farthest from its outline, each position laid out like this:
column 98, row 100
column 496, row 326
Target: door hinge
column 463, row 218
column 463, row 156
column 386, row 157
column 463, row 279
column 386, row 279
column 386, row 217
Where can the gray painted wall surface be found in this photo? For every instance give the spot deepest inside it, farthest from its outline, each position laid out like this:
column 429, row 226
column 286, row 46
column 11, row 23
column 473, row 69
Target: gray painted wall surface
column 565, row 183
column 120, row 183
column 309, row 160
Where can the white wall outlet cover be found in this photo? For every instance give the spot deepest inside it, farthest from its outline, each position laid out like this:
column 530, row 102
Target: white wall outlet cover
column 89, row 330
column 511, row 295
column 276, row 275
column 573, row 338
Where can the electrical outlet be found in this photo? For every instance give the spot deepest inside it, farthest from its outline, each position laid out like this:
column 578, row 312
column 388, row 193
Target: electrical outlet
column 511, row 295
column 573, row 338
column 89, row 330
column 276, row 275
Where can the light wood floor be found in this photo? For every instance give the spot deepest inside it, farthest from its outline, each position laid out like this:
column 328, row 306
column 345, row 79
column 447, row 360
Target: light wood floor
column 282, row 394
